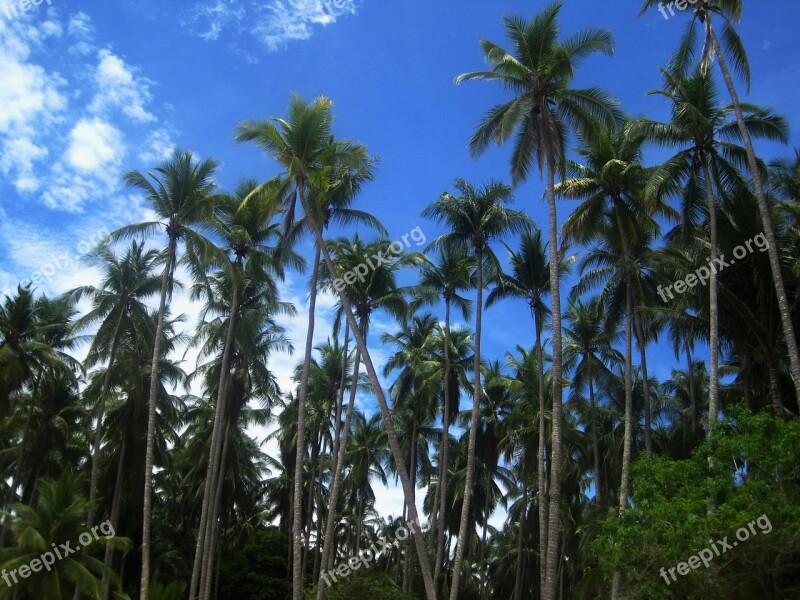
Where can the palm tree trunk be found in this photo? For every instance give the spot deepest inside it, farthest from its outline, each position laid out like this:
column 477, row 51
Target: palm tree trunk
column 318, row 494
column 766, row 219
column 641, row 341
column 521, row 553
column 116, row 503
column 482, row 563
column 599, row 495
column 445, row 447
column 333, row 499
column 208, row 512
column 543, row 502
column 627, row 445
column 151, row 421
column 297, row 524
column 316, row 437
column 98, row 433
column 391, row 433
column 213, row 533
column 713, row 343
column 554, row 520
column 469, row 481
column 774, row 387
column 412, row 475
column 692, row 390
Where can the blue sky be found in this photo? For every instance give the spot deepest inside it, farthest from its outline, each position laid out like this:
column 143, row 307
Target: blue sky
column 89, row 90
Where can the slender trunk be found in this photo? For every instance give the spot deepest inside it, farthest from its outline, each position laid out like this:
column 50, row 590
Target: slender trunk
column 297, row 524
column 599, row 495
column 774, row 387
column 469, row 481
column 391, row 433
column 318, row 494
column 641, row 341
column 692, row 391
column 316, row 437
column 713, row 343
column 207, row 512
column 98, row 432
column 445, row 447
column 151, row 422
column 627, row 447
column 766, row 219
column 213, row 532
column 543, row 502
column 482, row 563
column 523, row 518
column 412, row 475
column 333, row 499
column 116, row 503
column 554, row 520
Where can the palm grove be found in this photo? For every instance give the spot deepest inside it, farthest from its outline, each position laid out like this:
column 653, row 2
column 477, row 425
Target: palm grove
column 606, row 474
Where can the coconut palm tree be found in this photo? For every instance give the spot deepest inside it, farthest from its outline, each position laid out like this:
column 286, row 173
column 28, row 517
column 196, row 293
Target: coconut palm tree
column 452, row 274
column 475, row 217
column 543, row 112
column 732, row 50
column 117, row 305
column 180, row 192
column 706, row 162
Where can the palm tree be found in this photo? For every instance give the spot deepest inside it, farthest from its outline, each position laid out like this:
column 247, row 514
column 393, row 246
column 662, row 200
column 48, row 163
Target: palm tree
column 540, row 70
column 589, row 350
column 180, row 193
column 474, row 218
column 707, row 162
column 59, row 516
column 730, row 11
column 304, row 147
column 451, row 275
column 117, row 305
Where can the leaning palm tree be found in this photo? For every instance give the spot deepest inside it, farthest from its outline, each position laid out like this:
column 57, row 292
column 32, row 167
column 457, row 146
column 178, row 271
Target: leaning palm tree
column 181, row 194
column 474, row 217
column 117, row 305
column 731, row 49
column 314, row 162
column 542, row 114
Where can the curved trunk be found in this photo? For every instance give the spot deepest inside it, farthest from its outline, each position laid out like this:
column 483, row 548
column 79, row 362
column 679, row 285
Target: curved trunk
column 766, row 219
column 297, row 522
column 713, row 344
column 391, row 433
column 445, row 447
column 469, row 481
column 333, row 499
column 554, row 519
column 144, row 582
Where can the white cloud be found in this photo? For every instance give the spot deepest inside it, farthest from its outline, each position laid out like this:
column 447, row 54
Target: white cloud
column 19, row 154
column 94, row 146
column 158, row 147
column 117, row 88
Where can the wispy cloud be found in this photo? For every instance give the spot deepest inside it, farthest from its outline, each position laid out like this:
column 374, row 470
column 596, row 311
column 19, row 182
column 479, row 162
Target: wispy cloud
column 273, row 24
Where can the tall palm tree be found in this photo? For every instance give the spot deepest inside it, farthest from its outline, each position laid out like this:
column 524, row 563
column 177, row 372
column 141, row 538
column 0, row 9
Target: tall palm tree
column 542, row 114
column 475, row 217
column 181, row 194
column 732, row 49
column 706, row 162
column 452, row 274
column 304, row 146
column 589, row 350
column 117, row 305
